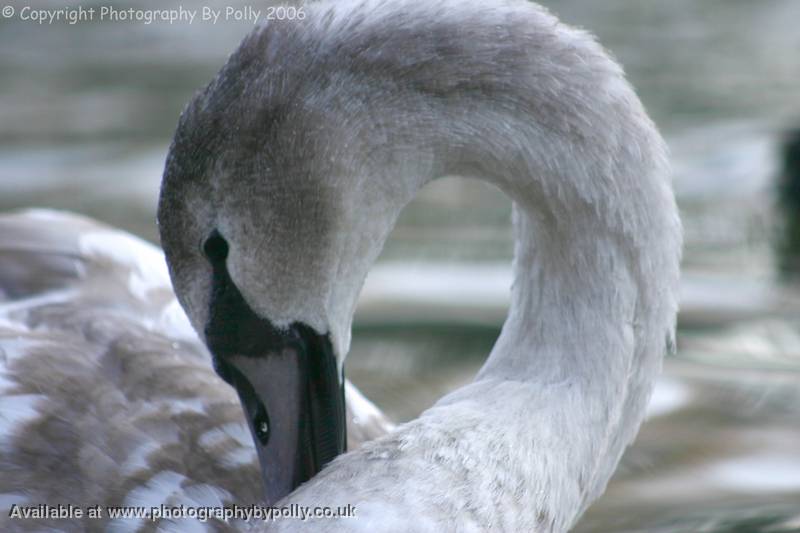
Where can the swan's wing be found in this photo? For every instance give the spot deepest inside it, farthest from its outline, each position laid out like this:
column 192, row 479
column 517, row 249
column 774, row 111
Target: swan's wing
column 106, row 395
column 104, row 399
column 108, row 414
column 39, row 252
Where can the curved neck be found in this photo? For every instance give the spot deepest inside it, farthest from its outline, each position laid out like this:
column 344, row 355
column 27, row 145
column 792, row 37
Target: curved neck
column 595, row 271
column 412, row 91
column 597, row 243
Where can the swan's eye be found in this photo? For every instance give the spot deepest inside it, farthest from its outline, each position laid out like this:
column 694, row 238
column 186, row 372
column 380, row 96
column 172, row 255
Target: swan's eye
column 216, row 248
column 261, row 424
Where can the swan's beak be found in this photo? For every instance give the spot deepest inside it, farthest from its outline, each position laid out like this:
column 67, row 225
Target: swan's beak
column 288, row 384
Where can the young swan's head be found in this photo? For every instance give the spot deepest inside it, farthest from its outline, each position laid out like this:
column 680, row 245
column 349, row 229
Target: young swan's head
column 273, row 206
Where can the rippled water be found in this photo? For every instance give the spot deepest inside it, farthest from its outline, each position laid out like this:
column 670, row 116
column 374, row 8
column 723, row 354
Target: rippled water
column 87, row 112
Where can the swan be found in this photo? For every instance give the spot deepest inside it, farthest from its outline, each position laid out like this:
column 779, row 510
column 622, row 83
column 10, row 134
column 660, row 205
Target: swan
column 287, row 173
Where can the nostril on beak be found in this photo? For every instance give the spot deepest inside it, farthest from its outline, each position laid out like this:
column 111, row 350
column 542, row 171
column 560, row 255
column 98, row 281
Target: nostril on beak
column 216, row 248
column 261, row 424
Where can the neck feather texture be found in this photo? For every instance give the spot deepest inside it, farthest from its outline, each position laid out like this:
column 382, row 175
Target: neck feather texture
column 507, row 94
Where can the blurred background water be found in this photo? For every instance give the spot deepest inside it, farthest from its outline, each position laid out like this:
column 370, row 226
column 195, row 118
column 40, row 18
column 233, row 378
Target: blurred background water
column 87, row 112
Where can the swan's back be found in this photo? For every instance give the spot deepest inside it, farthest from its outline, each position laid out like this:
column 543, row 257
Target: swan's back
column 105, row 397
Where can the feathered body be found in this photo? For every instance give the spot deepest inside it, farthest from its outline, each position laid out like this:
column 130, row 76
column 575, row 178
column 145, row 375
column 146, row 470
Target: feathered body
column 315, row 135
